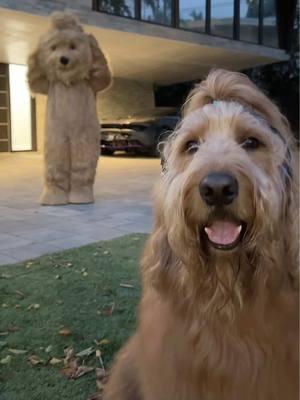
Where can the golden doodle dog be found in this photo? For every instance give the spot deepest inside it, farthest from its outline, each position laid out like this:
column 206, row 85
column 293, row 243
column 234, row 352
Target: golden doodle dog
column 70, row 68
column 218, row 319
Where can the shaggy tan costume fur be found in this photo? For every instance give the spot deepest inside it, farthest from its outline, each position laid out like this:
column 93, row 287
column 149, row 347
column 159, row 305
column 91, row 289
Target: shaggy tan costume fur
column 70, row 68
column 218, row 318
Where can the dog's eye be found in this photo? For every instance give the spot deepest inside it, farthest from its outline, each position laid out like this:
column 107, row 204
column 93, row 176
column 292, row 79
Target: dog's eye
column 191, row 146
column 53, row 47
column 251, row 143
column 72, row 46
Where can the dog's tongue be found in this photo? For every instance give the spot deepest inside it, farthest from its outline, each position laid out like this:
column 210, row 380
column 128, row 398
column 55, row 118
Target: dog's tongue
column 223, row 232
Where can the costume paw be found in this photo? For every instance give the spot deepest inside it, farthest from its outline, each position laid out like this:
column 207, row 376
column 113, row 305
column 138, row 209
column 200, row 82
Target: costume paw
column 53, row 196
column 81, row 196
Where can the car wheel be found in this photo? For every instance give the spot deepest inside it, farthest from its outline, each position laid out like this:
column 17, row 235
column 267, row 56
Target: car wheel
column 107, row 152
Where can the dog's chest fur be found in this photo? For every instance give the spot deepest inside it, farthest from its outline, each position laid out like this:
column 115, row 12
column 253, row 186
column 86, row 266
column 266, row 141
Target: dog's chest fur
column 209, row 360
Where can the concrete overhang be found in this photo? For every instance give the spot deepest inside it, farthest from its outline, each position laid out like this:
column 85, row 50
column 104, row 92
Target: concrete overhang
column 137, row 50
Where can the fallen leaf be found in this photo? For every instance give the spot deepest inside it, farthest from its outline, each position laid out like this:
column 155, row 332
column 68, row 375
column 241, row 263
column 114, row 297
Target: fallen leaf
column 103, row 342
column 106, row 252
column 98, row 355
column 55, row 361
column 65, row 332
column 12, row 328
column 6, row 360
column 85, row 273
column 16, row 351
column 20, row 293
column 5, row 276
column 69, row 354
column 76, row 372
column 34, row 306
column 109, row 311
column 48, row 349
column 126, row 285
column 85, row 353
column 34, row 360
column 100, row 373
column 69, row 264
column 57, row 277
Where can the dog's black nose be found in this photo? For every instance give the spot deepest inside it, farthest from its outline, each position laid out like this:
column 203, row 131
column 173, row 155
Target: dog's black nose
column 219, row 189
column 64, row 60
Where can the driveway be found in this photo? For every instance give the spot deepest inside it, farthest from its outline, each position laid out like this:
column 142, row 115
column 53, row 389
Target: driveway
column 123, row 205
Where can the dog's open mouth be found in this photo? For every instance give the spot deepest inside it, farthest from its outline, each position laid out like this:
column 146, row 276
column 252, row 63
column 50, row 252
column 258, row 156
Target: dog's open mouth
column 224, row 234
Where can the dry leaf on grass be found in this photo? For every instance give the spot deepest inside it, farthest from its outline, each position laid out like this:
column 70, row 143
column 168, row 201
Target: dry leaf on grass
column 20, row 294
column 35, row 360
column 17, row 352
column 55, row 361
column 6, row 360
column 5, row 276
column 86, row 352
column 126, row 285
column 75, row 371
column 12, row 328
column 65, row 332
column 69, row 354
column 34, row 306
column 48, row 349
column 102, row 342
column 109, row 311
column 101, row 379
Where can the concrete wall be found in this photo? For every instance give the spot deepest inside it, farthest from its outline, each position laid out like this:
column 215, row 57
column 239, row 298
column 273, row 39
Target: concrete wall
column 125, row 98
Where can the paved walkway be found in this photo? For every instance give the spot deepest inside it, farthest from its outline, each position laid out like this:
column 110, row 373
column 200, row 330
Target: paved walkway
column 27, row 230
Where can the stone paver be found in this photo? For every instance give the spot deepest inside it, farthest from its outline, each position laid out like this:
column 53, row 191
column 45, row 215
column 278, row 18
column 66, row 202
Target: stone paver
column 123, row 205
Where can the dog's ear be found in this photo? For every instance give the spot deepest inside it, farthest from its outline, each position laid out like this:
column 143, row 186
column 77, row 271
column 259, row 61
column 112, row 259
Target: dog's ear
column 37, row 79
column 100, row 75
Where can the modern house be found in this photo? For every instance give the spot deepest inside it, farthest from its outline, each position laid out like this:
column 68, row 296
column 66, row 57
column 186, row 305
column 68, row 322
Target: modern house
column 148, row 42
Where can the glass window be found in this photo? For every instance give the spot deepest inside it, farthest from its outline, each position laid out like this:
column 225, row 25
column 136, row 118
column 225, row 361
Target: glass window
column 222, row 17
column 192, row 14
column 249, row 11
column 270, row 34
column 159, row 11
column 124, row 8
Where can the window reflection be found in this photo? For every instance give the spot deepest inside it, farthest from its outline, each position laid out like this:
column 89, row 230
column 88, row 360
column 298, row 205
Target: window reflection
column 249, row 11
column 124, row 8
column 222, row 17
column 192, row 14
column 159, row 11
column 270, row 35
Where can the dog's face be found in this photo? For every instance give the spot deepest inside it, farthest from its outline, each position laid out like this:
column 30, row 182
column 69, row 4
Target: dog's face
column 225, row 187
column 65, row 55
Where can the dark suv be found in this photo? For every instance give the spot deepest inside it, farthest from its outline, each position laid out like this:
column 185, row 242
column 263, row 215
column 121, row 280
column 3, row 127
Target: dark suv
column 140, row 135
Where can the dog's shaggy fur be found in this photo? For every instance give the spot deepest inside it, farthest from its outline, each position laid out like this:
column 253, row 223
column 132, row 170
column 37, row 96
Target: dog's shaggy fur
column 70, row 68
column 219, row 324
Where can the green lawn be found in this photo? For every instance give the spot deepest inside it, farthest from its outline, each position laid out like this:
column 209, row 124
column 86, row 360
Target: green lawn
column 76, row 290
